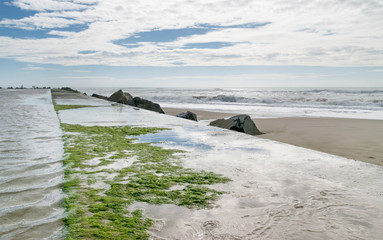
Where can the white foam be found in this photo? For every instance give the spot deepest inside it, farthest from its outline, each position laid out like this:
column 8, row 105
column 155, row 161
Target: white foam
column 365, row 103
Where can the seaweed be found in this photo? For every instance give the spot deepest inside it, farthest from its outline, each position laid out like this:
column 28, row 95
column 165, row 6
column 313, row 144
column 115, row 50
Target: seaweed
column 153, row 175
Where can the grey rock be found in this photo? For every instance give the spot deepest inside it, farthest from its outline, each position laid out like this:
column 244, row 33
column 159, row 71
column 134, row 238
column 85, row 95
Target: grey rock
column 130, row 99
column 148, row 105
column 188, row 115
column 99, row 96
column 239, row 123
column 121, row 97
column 117, row 97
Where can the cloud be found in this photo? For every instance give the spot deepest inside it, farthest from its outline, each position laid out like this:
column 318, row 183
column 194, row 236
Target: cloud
column 50, row 5
column 268, row 32
column 31, row 67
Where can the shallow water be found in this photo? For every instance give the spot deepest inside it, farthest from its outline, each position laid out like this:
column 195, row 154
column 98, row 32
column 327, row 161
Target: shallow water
column 179, row 138
column 277, row 191
column 31, row 169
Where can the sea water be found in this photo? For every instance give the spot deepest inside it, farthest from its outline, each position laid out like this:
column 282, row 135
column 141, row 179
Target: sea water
column 31, row 170
column 362, row 103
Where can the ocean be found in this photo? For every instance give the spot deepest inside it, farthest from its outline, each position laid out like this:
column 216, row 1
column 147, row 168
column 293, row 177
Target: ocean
column 361, row 103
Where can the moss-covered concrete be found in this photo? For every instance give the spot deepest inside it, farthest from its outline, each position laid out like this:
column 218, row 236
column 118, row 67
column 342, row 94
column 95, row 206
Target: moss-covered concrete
column 98, row 194
column 66, row 107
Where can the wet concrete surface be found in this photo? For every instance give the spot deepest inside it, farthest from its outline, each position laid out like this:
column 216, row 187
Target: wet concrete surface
column 31, row 169
column 278, row 191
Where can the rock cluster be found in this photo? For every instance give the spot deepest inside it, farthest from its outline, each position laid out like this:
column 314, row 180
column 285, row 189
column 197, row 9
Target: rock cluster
column 121, row 97
column 146, row 104
column 127, row 99
column 99, row 96
column 239, row 123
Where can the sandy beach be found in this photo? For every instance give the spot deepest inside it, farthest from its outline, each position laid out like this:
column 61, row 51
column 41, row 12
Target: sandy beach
column 357, row 139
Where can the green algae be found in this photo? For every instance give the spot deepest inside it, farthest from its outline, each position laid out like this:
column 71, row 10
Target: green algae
column 66, row 107
column 151, row 174
column 94, row 216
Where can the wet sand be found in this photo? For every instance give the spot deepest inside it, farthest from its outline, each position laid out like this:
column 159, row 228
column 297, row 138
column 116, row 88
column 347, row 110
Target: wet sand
column 357, row 139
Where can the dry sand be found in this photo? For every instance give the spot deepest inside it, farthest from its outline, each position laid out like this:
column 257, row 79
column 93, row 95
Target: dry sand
column 358, row 139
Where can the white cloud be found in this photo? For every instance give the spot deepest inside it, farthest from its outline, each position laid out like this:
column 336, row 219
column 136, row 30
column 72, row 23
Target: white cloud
column 301, row 32
column 50, row 5
column 31, row 67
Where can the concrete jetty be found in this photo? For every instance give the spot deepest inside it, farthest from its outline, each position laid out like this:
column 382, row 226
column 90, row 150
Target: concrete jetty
column 277, row 191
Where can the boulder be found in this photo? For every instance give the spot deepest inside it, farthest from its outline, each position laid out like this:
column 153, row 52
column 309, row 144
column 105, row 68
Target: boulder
column 239, row 123
column 99, row 96
column 148, row 105
column 121, row 97
column 130, row 99
column 188, row 115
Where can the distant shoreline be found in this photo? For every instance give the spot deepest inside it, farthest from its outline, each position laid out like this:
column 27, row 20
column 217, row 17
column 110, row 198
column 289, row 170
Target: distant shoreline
column 357, row 139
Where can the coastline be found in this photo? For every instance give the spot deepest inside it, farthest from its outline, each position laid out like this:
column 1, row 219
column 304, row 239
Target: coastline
column 357, row 139
column 151, row 175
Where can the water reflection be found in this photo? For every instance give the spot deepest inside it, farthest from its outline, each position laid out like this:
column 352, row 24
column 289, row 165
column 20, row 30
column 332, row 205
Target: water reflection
column 172, row 138
column 31, row 170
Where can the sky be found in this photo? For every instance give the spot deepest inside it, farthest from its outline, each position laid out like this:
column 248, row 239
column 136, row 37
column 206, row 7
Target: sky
column 191, row 43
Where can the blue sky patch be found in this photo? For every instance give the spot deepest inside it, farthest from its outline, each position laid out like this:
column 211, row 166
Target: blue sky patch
column 208, row 45
column 74, row 28
column 10, row 12
column 87, row 52
column 25, row 34
column 170, row 35
column 38, row 33
column 166, row 35
column 245, row 25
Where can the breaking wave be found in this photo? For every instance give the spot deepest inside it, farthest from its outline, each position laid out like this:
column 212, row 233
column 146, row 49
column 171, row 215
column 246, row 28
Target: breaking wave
column 276, row 100
column 330, row 99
